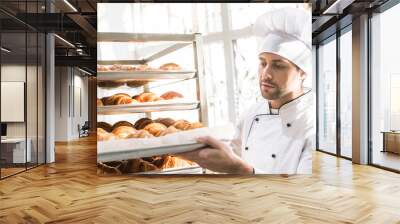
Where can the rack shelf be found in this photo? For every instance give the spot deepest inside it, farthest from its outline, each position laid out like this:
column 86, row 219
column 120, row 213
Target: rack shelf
column 143, row 37
column 106, row 154
column 146, row 107
column 144, row 75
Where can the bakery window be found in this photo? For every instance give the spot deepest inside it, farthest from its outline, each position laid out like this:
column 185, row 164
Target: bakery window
column 385, row 89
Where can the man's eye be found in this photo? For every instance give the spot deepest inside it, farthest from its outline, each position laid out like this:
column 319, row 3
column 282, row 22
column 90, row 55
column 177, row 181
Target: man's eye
column 263, row 64
column 279, row 66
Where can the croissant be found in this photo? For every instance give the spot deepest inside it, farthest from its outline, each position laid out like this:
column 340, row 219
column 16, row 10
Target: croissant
column 171, row 95
column 170, row 162
column 169, row 130
column 141, row 134
column 165, row 121
column 99, row 103
column 102, row 135
column 107, row 101
column 122, row 100
column 182, row 124
column 128, row 68
column 155, row 128
column 116, row 99
column 136, row 83
column 101, row 130
column 122, row 123
column 136, row 97
column 111, row 168
column 121, row 94
column 124, row 132
column 146, row 166
column 143, row 67
column 101, row 68
column 142, row 122
column 195, row 125
column 170, row 66
column 115, row 67
column 133, row 166
column 110, row 84
column 106, row 126
column 148, row 97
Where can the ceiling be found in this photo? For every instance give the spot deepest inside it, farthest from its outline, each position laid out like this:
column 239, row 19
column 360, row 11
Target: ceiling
column 332, row 15
column 73, row 20
column 76, row 22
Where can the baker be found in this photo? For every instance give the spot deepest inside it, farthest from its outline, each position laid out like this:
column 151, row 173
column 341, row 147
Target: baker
column 276, row 135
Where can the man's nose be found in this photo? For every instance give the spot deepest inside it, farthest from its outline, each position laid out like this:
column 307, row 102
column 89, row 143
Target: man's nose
column 266, row 73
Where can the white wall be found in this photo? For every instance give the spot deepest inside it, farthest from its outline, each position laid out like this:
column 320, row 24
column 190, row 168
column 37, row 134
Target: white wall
column 79, row 117
column 69, row 82
column 14, row 73
column 33, row 127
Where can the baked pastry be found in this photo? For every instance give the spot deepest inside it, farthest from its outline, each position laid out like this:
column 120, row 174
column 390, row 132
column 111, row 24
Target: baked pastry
column 123, row 132
column 122, row 123
column 182, row 124
column 128, row 68
column 99, row 103
column 110, row 84
column 169, row 162
column 170, row 66
column 171, row 95
column 143, row 67
column 105, row 126
column 151, row 158
column 109, row 168
column 147, row 97
column 106, row 101
column 136, row 97
column 169, row 130
column 165, row 121
column 146, row 166
column 155, row 128
column 133, row 166
column 141, row 134
column 142, row 122
column 115, row 67
column 195, row 125
column 136, row 83
column 102, row 135
column 122, row 100
column 102, row 68
column 117, row 99
column 160, row 161
column 121, row 94
column 101, row 130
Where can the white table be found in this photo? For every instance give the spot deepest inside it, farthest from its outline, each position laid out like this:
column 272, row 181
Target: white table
column 17, row 146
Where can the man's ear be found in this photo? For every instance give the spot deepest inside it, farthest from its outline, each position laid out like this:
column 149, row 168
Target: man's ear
column 303, row 75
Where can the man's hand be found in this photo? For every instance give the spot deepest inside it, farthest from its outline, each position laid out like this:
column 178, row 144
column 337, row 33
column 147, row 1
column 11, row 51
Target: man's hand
column 218, row 157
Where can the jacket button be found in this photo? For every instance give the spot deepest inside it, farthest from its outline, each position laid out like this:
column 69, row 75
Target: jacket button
column 257, row 119
column 247, row 148
column 273, row 155
column 288, row 125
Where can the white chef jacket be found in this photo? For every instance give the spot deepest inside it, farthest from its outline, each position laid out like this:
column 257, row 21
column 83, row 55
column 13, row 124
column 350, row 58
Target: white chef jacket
column 279, row 143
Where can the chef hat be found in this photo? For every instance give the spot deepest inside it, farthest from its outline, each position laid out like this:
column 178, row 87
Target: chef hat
column 286, row 32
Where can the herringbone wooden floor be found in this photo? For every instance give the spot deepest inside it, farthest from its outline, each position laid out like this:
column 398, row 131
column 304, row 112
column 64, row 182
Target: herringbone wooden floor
column 69, row 191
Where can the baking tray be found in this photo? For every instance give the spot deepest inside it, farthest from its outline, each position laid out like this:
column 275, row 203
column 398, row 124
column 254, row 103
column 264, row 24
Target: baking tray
column 178, row 170
column 144, row 75
column 147, row 107
column 116, row 155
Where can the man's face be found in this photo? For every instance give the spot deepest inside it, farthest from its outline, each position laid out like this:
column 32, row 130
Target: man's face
column 278, row 76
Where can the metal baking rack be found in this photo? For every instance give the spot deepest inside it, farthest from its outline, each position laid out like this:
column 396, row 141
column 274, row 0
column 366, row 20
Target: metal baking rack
column 179, row 41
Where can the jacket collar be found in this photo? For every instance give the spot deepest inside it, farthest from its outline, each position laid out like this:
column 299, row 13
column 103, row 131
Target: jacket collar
column 296, row 105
